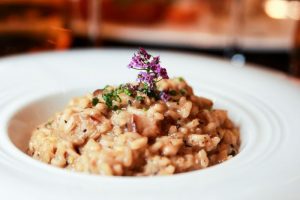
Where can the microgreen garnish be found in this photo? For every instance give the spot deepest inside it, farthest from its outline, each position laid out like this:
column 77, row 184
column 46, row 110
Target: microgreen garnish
column 95, row 101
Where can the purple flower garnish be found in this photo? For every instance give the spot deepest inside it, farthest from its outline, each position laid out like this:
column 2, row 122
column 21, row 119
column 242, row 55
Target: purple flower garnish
column 151, row 71
column 137, row 62
column 144, row 53
column 151, row 65
column 155, row 63
column 162, row 72
column 147, row 78
column 141, row 60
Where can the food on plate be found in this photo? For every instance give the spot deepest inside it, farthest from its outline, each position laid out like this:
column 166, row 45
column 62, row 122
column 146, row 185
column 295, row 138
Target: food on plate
column 155, row 126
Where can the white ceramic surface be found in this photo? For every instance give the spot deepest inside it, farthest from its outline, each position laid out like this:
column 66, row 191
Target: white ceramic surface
column 266, row 106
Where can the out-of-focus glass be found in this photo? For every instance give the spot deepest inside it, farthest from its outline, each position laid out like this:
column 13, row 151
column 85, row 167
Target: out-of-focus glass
column 295, row 55
column 33, row 25
column 85, row 22
column 235, row 26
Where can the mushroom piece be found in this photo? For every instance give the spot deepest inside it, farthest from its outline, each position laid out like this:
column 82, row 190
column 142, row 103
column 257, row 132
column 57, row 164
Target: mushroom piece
column 131, row 126
column 97, row 92
column 145, row 126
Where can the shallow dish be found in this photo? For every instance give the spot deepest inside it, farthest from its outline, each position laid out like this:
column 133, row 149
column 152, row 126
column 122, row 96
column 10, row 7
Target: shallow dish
column 265, row 105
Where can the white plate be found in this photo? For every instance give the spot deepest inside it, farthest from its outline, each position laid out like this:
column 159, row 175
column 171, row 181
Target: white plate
column 266, row 106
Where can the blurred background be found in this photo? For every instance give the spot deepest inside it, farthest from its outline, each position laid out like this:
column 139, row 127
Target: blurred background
column 264, row 32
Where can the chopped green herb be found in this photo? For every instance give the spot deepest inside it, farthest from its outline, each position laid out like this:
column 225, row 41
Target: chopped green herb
column 95, row 101
column 127, row 92
column 119, row 90
column 115, row 107
column 108, row 98
column 117, row 97
column 172, row 92
column 182, row 91
column 180, row 79
column 153, row 94
column 111, row 96
column 144, row 88
column 139, row 98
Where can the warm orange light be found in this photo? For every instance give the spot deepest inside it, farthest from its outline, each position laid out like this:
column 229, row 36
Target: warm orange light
column 282, row 9
column 276, row 9
column 294, row 10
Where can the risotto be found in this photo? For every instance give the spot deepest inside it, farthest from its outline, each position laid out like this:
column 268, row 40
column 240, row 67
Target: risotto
column 132, row 131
